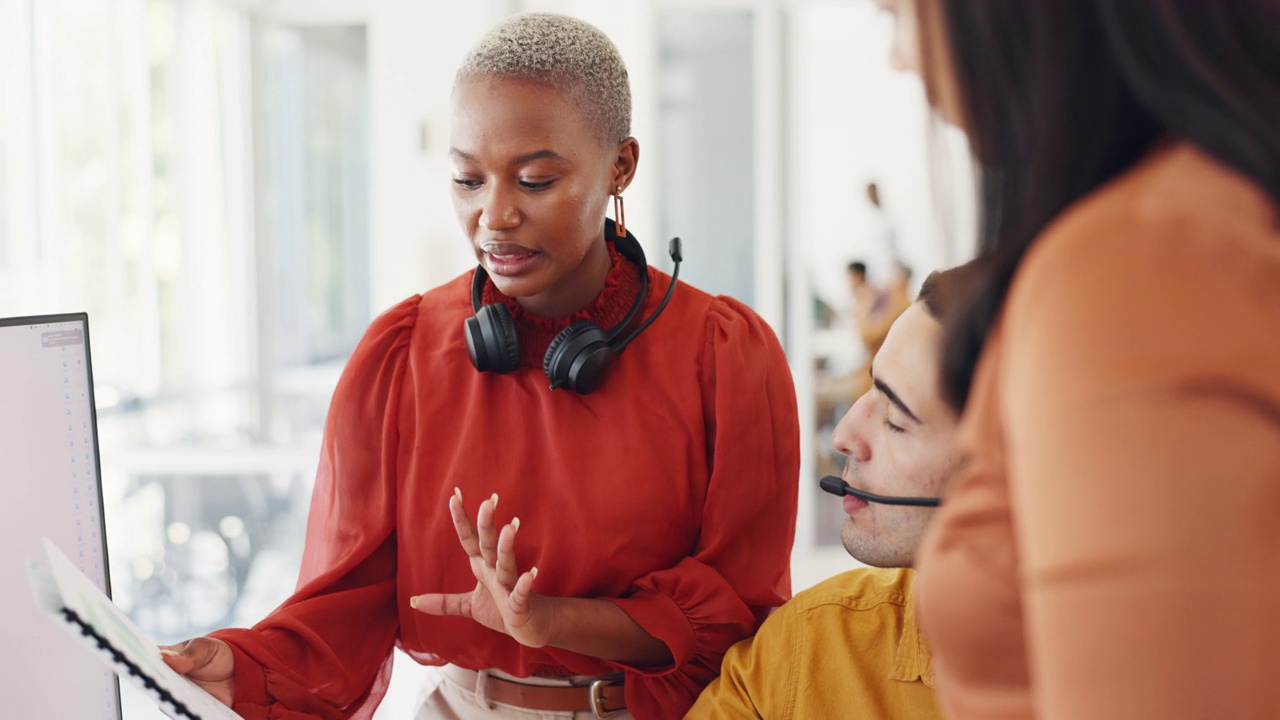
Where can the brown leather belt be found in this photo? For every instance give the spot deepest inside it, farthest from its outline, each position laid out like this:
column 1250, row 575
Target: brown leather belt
column 603, row 697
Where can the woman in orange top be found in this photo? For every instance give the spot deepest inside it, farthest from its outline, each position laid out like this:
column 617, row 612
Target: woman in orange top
column 624, row 535
column 1113, row 550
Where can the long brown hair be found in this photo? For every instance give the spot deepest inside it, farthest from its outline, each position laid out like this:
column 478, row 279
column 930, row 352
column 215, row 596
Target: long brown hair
column 1060, row 96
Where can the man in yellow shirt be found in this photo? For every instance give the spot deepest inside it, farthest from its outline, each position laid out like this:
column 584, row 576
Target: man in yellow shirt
column 850, row 647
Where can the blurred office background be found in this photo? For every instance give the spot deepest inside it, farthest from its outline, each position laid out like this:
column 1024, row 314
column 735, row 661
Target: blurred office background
column 233, row 188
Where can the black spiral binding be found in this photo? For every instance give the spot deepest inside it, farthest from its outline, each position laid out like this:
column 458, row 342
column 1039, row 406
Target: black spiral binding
column 165, row 695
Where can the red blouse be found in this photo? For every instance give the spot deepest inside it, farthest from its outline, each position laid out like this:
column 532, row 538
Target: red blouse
column 671, row 491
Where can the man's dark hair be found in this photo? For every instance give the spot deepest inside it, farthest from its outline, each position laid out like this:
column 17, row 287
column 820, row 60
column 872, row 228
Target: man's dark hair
column 946, row 292
column 859, row 267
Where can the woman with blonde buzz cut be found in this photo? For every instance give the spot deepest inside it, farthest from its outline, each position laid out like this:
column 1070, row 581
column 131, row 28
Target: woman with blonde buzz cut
column 562, row 529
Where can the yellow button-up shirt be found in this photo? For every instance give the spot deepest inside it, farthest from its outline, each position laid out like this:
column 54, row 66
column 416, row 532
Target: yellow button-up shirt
column 848, row 647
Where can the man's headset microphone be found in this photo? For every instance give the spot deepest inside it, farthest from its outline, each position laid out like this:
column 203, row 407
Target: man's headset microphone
column 838, row 487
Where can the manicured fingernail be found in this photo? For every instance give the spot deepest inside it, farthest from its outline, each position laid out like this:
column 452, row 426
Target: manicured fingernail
column 413, row 602
column 495, row 499
column 167, row 651
column 458, row 494
column 515, row 523
column 534, row 572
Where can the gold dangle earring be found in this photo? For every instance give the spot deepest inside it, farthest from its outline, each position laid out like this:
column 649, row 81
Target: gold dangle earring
column 619, row 215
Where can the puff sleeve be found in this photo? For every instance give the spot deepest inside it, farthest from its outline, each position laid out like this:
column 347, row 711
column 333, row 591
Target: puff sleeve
column 740, row 567
column 1142, row 407
column 308, row 659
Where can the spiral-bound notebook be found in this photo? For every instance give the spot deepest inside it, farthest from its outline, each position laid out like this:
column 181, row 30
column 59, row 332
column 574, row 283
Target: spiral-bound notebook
column 72, row 600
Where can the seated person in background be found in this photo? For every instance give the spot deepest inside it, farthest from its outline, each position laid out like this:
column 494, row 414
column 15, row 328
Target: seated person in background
column 875, row 311
column 849, row 647
column 862, row 290
column 878, row 309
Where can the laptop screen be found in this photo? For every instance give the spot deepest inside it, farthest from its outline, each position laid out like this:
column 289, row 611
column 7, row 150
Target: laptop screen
column 50, row 474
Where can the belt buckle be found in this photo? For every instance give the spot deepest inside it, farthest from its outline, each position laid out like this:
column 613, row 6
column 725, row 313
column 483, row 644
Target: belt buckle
column 597, row 698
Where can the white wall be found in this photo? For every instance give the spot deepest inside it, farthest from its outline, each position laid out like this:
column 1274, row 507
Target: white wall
column 414, row 50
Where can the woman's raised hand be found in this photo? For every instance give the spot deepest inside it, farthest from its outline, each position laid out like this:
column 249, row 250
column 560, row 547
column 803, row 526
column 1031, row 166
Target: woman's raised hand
column 502, row 599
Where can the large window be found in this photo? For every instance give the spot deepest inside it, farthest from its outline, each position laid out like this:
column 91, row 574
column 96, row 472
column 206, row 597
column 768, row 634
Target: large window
column 195, row 179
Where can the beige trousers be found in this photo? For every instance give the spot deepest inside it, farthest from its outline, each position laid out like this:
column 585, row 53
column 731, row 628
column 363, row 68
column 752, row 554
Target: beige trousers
column 443, row 698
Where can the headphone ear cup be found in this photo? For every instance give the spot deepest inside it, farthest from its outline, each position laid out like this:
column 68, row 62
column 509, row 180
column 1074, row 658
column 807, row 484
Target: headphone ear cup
column 492, row 342
column 579, row 358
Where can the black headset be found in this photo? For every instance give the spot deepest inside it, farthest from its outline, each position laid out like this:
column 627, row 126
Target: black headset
column 581, row 356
